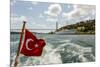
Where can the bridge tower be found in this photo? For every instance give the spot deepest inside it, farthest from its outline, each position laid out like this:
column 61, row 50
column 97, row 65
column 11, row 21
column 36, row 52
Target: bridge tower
column 56, row 26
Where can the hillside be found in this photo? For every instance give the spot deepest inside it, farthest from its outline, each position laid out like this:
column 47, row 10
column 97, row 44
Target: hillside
column 83, row 27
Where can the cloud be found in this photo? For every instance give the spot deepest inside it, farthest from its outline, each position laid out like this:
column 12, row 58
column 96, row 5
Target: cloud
column 79, row 11
column 17, row 19
column 14, row 18
column 68, row 14
column 34, row 3
column 23, row 18
column 17, row 22
column 68, row 6
column 54, row 10
column 52, row 19
column 41, row 16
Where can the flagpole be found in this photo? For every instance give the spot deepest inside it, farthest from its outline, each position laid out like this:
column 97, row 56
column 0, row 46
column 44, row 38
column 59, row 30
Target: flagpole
column 19, row 46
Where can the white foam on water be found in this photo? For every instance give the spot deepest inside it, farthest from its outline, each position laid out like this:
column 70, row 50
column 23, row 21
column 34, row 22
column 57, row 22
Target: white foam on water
column 52, row 55
column 67, row 41
column 79, row 51
column 47, row 57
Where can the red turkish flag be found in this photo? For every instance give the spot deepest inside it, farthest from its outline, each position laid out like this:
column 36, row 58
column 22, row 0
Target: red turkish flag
column 31, row 45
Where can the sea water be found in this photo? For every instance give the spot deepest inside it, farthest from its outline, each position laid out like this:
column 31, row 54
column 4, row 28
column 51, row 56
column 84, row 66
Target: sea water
column 59, row 49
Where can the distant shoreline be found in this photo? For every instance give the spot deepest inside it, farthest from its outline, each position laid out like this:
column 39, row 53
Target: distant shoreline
column 58, row 33
column 77, row 34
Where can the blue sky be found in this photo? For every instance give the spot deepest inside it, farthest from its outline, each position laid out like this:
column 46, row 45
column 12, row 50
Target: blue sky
column 44, row 15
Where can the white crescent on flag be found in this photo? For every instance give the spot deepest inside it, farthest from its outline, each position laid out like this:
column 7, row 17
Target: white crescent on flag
column 27, row 41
